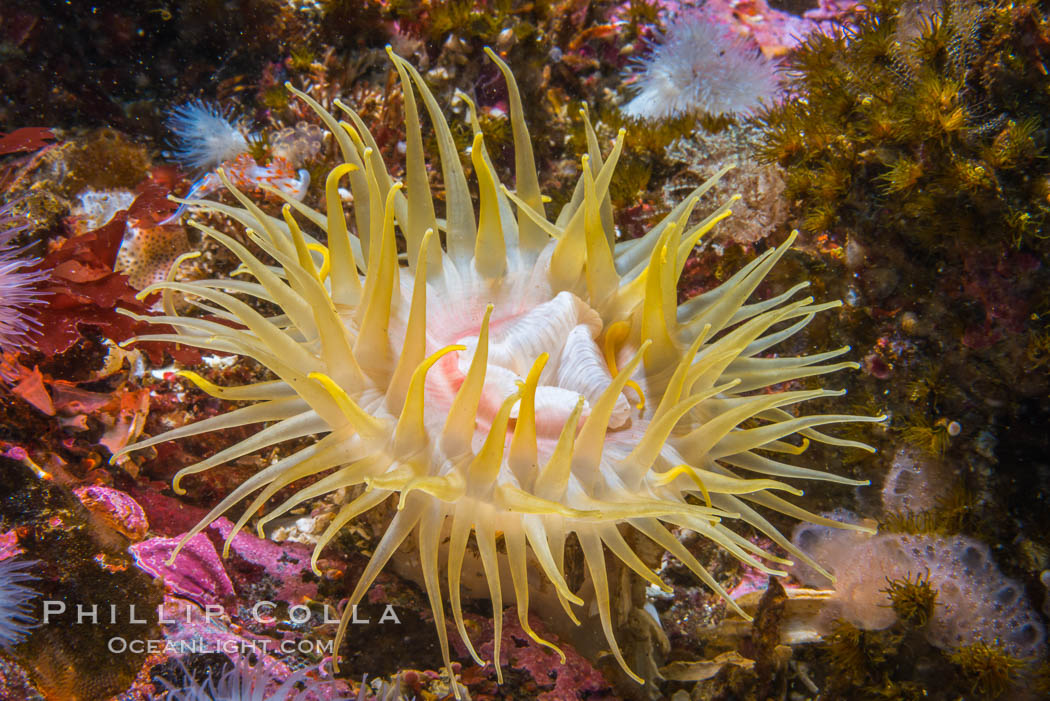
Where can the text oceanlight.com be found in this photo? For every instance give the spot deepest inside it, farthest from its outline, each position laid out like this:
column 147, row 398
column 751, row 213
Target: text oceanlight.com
column 118, row 645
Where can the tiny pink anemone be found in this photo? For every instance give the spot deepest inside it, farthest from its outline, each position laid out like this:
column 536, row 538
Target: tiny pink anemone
column 510, row 375
column 18, row 293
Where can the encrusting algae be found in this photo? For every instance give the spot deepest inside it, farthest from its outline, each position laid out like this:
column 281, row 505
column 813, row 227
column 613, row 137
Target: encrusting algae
column 516, row 375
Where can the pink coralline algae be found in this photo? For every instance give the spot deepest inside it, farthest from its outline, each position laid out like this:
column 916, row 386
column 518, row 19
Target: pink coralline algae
column 116, row 509
column 575, row 679
column 202, row 611
column 776, row 31
column 1003, row 287
column 285, row 562
column 9, row 545
column 197, row 573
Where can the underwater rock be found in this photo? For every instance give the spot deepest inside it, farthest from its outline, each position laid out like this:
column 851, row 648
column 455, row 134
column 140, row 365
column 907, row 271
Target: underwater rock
column 83, row 570
column 116, row 508
column 197, row 572
column 914, row 484
column 536, row 671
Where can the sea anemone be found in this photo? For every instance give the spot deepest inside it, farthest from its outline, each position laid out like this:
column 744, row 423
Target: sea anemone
column 16, row 618
column 699, row 66
column 247, row 682
column 17, row 293
column 529, row 380
column 206, row 136
column 242, row 682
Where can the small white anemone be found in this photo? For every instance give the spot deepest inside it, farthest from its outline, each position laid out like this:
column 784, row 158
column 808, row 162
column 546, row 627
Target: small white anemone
column 205, row 135
column 698, row 66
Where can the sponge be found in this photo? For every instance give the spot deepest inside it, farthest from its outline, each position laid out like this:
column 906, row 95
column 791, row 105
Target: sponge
column 975, row 602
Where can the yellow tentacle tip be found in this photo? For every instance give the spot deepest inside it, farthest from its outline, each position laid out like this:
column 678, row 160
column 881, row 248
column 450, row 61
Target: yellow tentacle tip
column 640, row 405
column 798, row 450
column 188, row 255
column 326, row 264
column 365, row 424
column 688, row 470
column 201, row 383
column 340, row 170
column 546, row 643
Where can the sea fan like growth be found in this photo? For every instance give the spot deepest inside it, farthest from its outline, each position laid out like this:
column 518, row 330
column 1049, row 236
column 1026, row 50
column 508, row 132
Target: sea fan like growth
column 699, row 67
column 531, row 377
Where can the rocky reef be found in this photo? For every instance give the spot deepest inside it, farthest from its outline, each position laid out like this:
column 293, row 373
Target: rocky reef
column 906, row 142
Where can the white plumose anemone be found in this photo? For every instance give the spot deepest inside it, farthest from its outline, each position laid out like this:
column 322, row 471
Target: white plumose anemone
column 698, row 65
column 206, row 135
column 529, row 378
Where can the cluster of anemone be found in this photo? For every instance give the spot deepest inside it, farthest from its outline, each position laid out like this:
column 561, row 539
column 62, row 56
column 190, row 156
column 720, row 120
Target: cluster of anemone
column 512, row 375
column 18, row 292
column 254, row 682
